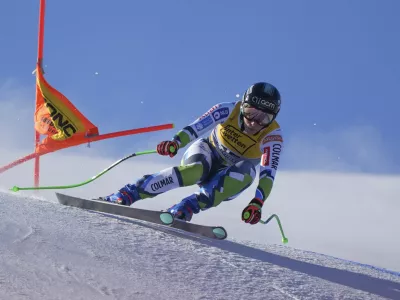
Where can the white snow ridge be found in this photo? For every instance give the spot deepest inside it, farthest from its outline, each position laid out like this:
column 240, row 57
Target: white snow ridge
column 50, row 251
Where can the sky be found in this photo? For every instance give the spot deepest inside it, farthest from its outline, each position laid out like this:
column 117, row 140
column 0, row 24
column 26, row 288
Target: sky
column 136, row 64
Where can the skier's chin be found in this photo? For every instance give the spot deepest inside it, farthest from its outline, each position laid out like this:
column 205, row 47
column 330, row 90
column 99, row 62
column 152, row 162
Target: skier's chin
column 251, row 130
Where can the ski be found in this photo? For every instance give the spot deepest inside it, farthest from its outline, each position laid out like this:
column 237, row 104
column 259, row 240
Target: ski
column 214, row 232
column 153, row 216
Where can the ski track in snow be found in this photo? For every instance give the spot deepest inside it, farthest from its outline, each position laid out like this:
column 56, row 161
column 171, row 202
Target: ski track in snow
column 49, row 251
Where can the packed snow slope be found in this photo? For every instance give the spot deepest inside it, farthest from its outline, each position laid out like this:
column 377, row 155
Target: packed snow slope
column 49, row 251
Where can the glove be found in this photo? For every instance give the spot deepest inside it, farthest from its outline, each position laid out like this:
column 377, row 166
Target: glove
column 168, row 148
column 252, row 212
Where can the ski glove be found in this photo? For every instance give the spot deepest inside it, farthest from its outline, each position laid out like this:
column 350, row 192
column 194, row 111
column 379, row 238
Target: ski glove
column 252, row 212
column 168, row 148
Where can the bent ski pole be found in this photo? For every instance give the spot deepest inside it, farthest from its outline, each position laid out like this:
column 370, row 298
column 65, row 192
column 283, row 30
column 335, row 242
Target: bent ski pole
column 16, row 188
column 284, row 238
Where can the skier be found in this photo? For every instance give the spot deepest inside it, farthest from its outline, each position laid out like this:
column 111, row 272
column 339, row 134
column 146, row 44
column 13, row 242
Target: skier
column 245, row 134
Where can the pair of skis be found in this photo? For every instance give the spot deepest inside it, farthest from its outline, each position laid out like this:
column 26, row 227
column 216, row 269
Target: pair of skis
column 153, row 216
column 158, row 217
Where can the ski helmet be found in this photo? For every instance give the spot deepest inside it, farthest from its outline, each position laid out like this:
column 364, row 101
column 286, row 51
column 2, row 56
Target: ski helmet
column 263, row 96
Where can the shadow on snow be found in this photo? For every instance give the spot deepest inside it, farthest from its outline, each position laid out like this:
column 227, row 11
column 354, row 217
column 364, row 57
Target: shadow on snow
column 381, row 287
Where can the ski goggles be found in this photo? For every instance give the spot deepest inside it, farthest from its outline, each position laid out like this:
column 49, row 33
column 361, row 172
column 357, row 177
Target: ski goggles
column 253, row 114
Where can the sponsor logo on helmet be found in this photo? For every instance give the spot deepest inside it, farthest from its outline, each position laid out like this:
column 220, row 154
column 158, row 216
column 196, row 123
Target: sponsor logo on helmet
column 261, row 102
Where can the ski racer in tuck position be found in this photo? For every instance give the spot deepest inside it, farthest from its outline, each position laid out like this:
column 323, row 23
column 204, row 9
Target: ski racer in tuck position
column 244, row 134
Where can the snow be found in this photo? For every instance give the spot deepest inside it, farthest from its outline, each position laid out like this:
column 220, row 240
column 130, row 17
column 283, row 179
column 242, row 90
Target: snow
column 50, row 251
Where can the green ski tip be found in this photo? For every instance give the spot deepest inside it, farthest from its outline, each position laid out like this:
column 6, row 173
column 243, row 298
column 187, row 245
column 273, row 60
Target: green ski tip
column 284, row 240
column 166, row 218
column 219, row 232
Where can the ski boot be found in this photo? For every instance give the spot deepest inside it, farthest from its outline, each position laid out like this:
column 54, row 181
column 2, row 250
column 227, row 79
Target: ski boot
column 124, row 196
column 184, row 210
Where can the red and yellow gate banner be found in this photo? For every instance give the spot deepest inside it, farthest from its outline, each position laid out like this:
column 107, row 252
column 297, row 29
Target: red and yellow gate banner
column 58, row 120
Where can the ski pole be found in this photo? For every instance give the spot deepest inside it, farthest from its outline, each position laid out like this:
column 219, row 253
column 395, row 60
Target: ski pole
column 16, row 188
column 284, row 238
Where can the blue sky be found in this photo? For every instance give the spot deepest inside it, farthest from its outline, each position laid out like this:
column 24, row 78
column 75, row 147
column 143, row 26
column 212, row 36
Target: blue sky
column 336, row 64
